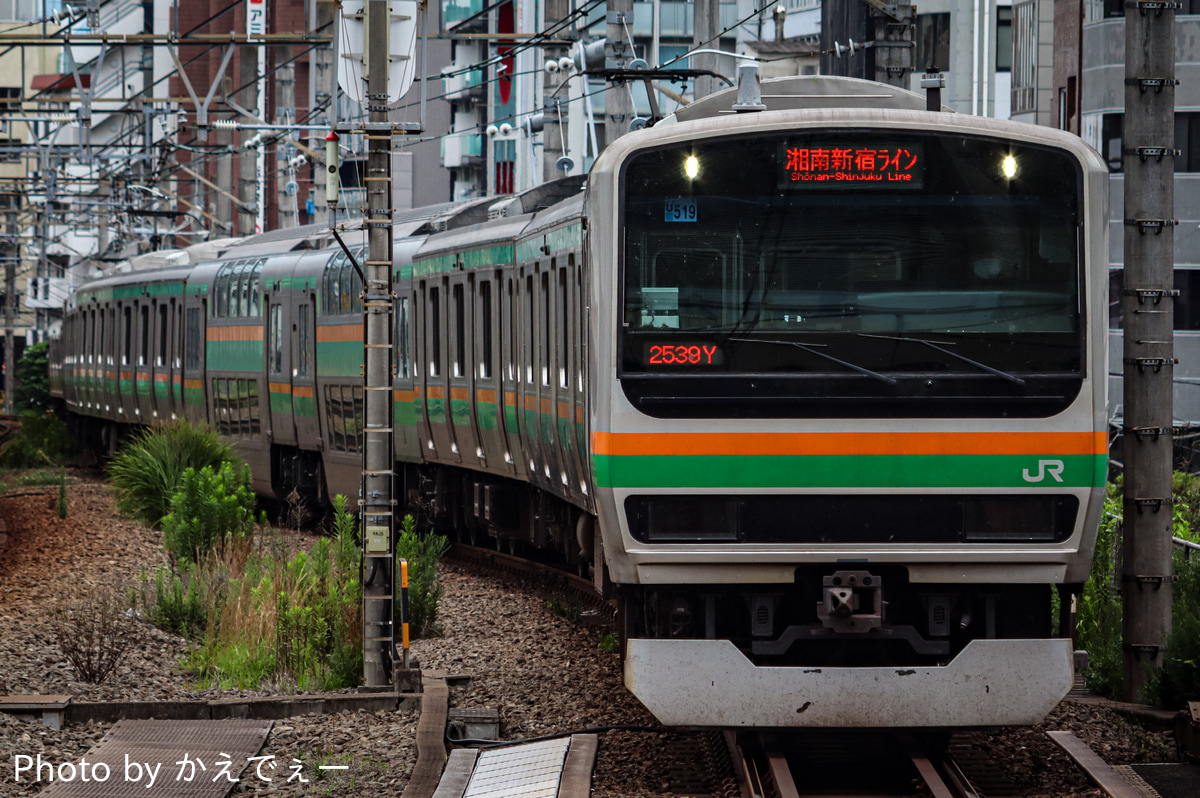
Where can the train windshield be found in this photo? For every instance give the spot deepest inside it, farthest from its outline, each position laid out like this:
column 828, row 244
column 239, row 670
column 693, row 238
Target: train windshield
column 878, row 259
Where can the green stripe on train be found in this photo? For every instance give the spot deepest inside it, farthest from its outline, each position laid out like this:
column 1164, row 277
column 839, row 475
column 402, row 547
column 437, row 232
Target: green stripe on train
column 304, row 406
column 339, row 358
column 234, row 355
column 849, row 471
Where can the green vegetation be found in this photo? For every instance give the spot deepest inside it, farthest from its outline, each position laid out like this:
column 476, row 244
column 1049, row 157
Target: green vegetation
column 572, row 612
column 33, row 380
column 210, row 508
column 422, row 553
column 608, row 643
column 149, row 469
column 41, row 441
column 1099, row 608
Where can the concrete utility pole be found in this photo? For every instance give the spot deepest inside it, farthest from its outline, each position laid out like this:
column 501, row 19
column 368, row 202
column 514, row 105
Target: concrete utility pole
column 707, row 26
column 1149, row 337
column 894, row 44
column 552, row 106
column 378, row 457
column 12, row 253
column 618, row 52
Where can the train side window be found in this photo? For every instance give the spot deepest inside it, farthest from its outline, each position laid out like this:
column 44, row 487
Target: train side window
column 485, row 314
column 403, row 356
column 253, row 310
column 161, row 359
column 460, row 329
column 564, row 345
column 91, row 351
column 220, row 298
column 128, row 319
column 545, row 322
column 192, row 343
column 303, row 342
column 527, row 347
column 579, row 331
column 177, row 338
column 144, row 350
column 110, row 345
column 510, row 360
column 276, row 333
column 435, row 333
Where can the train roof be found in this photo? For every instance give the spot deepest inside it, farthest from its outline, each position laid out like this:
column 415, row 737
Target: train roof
column 807, row 92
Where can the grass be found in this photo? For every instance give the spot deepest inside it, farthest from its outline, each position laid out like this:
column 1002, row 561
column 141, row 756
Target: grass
column 149, row 469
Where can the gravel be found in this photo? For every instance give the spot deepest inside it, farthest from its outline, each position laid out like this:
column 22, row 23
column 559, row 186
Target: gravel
column 544, row 674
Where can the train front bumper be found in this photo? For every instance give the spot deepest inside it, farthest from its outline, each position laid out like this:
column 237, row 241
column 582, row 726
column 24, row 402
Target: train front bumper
column 711, row 683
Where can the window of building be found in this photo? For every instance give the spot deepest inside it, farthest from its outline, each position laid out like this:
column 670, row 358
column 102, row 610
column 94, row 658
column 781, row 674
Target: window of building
column 933, row 41
column 1187, row 141
column 20, row 10
column 1024, row 63
column 1004, row 39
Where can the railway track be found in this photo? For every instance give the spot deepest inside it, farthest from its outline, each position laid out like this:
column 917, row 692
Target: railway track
column 858, row 764
column 541, row 577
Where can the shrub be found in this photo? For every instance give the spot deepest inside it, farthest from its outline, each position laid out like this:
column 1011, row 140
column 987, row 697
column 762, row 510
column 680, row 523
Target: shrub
column 33, row 379
column 93, row 634
column 423, row 553
column 1098, row 615
column 42, row 440
column 148, row 470
column 210, row 507
column 178, row 604
column 1179, row 681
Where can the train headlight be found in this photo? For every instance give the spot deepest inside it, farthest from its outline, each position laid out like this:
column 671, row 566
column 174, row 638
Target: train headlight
column 1009, row 167
column 691, row 167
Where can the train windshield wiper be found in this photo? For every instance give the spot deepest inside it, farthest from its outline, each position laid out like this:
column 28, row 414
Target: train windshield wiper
column 811, row 349
column 937, row 345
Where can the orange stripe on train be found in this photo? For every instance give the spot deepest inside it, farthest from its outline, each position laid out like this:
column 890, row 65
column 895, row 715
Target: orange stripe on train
column 835, row 443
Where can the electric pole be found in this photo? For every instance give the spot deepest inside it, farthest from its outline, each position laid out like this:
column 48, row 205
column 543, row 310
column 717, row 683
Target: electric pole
column 618, row 52
column 378, row 506
column 706, row 27
column 1149, row 344
column 552, row 132
column 12, row 254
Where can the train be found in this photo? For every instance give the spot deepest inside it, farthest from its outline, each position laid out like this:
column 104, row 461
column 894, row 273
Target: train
column 813, row 388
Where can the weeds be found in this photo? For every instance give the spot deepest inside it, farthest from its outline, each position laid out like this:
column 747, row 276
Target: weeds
column 210, row 508
column 41, row 441
column 608, row 643
column 422, row 553
column 93, row 634
column 149, row 469
column 571, row 612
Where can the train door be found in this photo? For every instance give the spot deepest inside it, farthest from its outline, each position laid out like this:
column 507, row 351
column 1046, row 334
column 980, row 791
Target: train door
column 195, row 308
column 281, row 427
column 579, row 337
column 160, row 358
column 143, row 371
column 565, row 312
column 526, row 368
column 510, row 345
column 489, row 411
column 461, row 401
column 405, row 415
column 436, row 391
column 177, row 357
column 547, row 379
column 302, row 355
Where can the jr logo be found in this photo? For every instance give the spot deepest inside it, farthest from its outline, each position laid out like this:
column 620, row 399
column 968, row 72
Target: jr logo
column 1052, row 467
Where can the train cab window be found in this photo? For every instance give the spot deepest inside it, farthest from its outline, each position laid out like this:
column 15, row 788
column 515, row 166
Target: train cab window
column 161, row 359
column 403, row 354
column 144, row 350
column 192, row 343
column 128, row 351
column 303, row 343
column 485, row 321
column 460, row 329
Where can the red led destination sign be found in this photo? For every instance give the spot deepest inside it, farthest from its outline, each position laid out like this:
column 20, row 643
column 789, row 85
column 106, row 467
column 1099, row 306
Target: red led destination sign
column 688, row 354
column 870, row 165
